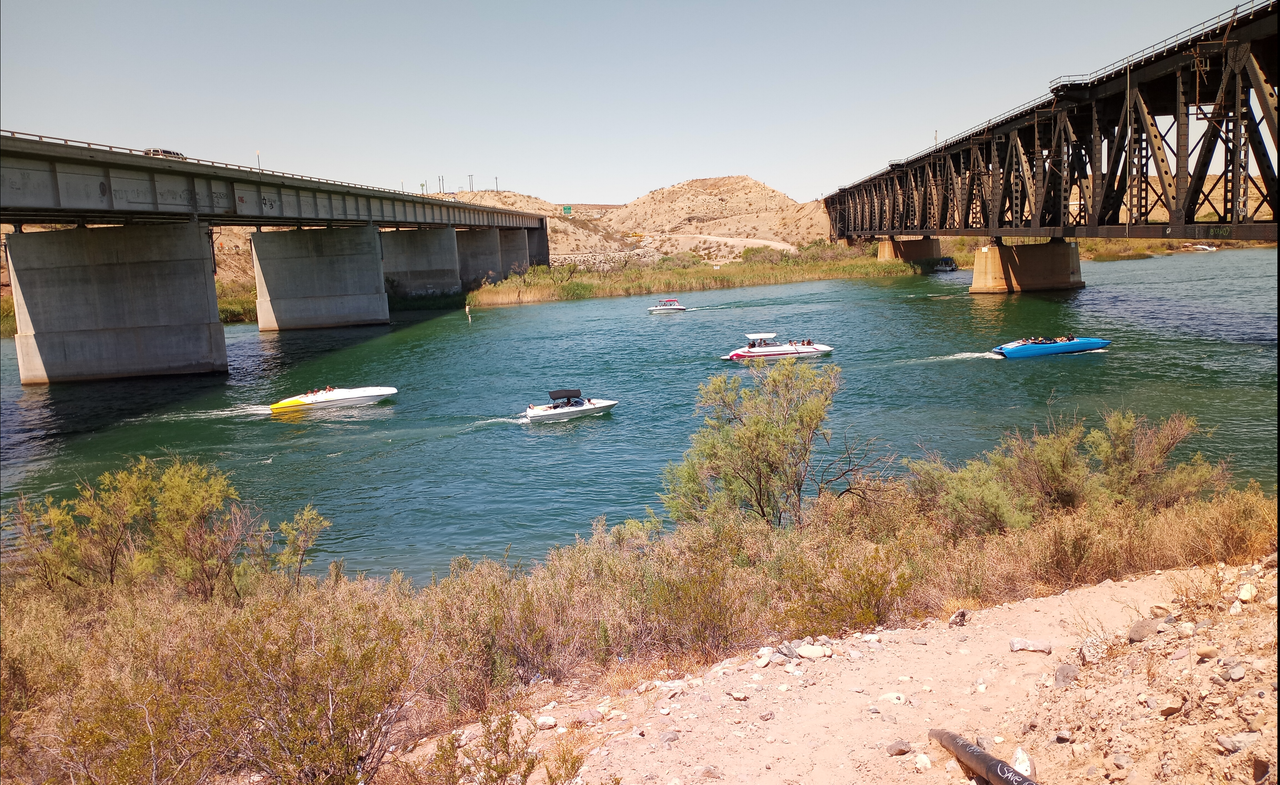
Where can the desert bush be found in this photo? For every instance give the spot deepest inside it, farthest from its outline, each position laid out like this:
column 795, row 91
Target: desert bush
column 575, row 290
column 1027, row 477
column 1133, row 457
column 237, row 301
column 682, row 260
column 146, row 634
column 8, row 317
column 756, row 447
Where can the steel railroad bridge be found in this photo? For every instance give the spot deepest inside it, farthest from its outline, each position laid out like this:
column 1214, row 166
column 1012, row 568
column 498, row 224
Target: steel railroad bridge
column 130, row 290
column 1164, row 144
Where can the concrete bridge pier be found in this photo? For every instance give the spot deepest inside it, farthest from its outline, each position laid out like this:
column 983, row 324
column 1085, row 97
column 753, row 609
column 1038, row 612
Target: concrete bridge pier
column 319, row 278
column 479, row 256
column 422, row 261
column 1000, row 268
column 909, row 250
column 515, row 251
column 539, row 246
column 115, row 302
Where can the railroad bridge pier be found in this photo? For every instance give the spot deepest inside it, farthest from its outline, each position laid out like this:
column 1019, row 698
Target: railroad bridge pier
column 1001, row 269
column 909, row 250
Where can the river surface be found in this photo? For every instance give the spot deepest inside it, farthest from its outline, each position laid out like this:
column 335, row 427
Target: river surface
column 447, row 468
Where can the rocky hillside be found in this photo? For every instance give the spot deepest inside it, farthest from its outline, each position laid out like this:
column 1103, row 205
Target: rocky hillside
column 569, row 234
column 716, row 207
column 715, row 218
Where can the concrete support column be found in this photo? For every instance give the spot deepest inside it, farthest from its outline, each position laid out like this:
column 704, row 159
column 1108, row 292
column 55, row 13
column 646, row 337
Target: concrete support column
column 479, row 256
column 515, row 251
column 422, row 261
column 319, row 278
column 539, row 246
column 115, row 302
column 999, row 268
column 909, row 250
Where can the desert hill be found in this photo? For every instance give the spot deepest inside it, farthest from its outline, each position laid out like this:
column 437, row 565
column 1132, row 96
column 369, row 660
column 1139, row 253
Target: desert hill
column 568, row 234
column 713, row 217
column 684, row 207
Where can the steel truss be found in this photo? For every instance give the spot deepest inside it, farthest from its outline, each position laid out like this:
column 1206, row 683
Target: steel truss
column 1106, row 154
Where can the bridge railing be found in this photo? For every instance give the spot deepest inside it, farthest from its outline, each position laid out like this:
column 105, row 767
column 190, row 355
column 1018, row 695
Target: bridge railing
column 222, row 165
column 1172, row 42
column 997, row 120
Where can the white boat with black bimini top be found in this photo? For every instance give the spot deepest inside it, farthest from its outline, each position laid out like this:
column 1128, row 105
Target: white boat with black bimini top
column 328, row 397
column 669, row 305
column 762, row 346
column 566, row 405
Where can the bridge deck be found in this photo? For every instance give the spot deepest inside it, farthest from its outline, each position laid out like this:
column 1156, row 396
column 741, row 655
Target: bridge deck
column 47, row 180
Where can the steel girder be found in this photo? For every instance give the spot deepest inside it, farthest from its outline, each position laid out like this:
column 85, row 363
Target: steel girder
column 1174, row 143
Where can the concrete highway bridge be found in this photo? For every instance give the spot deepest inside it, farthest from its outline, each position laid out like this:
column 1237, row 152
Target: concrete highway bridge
column 1177, row 141
column 130, row 290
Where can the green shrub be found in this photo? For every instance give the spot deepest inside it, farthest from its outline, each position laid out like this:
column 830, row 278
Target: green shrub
column 756, row 446
column 575, row 290
column 8, row 317
column 1064, row 468
column 682, row 260
column 237, row 301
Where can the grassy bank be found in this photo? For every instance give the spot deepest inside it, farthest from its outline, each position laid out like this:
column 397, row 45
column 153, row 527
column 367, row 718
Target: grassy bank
column 8, row 317
column 684, row 273
column 1095, row 249
column 155, row 627
column 237, row 301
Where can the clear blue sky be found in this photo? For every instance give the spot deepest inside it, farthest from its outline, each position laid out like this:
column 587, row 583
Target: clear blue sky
column 569, row 101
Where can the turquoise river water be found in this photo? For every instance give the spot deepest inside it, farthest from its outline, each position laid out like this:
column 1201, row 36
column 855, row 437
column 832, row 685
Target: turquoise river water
column 446, row 468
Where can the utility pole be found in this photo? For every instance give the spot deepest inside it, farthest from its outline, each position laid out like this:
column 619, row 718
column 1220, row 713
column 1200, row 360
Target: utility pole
column 495, row 183
column 259, row 154
column 471, row 182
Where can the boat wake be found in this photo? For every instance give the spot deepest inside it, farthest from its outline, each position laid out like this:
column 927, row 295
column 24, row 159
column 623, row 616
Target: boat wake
column 517, row 420
column 238, row 411
column 958, row 356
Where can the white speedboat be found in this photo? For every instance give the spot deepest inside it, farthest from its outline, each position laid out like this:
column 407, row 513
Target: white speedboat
column 670, row 305
column 567, row 405
column 320, row 399
column 762, row 346
column 945, row 266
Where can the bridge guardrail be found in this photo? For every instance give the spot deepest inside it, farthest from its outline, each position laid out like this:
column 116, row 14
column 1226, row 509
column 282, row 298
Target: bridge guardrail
column 238, row 167
column 1173, row 41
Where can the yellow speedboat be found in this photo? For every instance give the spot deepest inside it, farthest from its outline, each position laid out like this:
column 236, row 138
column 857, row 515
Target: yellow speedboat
column 325, row 398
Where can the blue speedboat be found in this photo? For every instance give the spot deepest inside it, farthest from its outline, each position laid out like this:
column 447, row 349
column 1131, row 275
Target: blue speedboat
column 1038, row 347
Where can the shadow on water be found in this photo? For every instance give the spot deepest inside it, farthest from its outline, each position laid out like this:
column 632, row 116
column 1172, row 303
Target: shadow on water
column 34, row 417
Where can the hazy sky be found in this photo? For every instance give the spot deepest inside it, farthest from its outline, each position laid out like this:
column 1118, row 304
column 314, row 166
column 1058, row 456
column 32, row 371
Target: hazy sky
column 569, row 101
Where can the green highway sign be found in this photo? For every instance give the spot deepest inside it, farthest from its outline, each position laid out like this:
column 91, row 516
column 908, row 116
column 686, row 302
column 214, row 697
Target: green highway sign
column 568, row 209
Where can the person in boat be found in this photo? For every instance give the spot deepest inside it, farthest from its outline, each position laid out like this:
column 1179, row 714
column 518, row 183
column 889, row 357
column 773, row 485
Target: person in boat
column 751, row 344
column 1070, row 337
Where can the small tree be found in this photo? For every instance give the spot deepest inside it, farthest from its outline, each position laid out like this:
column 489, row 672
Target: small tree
column 300, row 536
column 199, row 526
column 755, row 450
